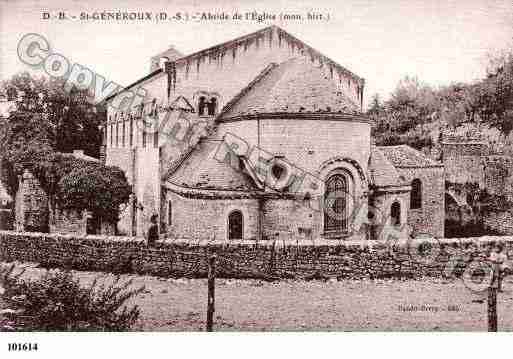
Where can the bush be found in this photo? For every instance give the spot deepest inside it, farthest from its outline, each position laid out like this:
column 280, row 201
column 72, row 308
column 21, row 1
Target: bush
column 57, row 302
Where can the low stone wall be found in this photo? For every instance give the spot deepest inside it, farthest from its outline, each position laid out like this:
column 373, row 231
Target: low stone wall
column 271, row 259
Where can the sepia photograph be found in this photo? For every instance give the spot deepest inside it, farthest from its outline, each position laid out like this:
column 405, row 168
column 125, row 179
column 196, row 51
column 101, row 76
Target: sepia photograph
column 268, row 166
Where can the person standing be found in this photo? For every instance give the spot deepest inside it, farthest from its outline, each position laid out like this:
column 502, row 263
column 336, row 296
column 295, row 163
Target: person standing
column 499, row 260
column 153, row 231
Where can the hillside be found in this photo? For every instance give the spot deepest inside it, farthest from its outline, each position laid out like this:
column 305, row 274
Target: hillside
column 420, row 115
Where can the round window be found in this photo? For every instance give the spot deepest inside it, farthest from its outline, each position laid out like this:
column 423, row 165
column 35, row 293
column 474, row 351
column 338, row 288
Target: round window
column 278, row 171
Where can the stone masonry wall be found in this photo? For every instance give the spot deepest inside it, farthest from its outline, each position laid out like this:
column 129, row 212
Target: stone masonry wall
column 207, row 219
column 463, row 162
column 430, row 217
column 31, row 205
column 498, row 176
column 500, row 222
column 250, row 259
column 284, row 219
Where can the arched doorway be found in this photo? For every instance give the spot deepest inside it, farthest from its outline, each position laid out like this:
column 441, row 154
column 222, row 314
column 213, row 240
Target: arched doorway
column 395, row 214
column 235, row 225
column 336, row 203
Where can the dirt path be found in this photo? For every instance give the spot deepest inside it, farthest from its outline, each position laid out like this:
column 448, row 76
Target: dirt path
column 249, row 305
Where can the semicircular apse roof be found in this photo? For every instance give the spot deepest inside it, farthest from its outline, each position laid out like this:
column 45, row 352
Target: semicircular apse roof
column 294, row 86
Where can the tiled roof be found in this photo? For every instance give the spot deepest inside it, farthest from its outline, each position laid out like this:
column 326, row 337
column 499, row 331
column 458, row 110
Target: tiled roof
column 382, row 171
column 202, row 170
column 406, row 156
column 293, row 86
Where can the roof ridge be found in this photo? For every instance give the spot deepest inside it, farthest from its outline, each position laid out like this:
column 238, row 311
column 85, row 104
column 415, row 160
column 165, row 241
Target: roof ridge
column 383, row 172
column 280, row 31
column 246, row 89
column 292, row 86
column 273, row 28
column 412, row 153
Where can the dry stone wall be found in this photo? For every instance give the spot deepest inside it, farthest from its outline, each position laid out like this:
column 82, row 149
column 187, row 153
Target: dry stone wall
column 249, row 259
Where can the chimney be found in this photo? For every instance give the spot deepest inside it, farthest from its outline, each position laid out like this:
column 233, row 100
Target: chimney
column 157, row 61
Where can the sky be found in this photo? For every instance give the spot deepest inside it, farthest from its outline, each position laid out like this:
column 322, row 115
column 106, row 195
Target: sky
column 440, row 42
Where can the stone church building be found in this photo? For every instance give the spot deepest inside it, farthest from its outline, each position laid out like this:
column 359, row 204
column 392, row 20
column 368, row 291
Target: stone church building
column 263, row 137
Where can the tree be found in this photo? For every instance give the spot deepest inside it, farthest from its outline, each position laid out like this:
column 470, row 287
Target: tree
column 94, row 187
column 415, row 109
column 70, row 118
column 48, row 121
column 495, row 95
column 400, row 119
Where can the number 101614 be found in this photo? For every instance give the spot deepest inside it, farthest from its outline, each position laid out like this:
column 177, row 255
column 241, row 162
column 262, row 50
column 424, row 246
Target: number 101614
column 22, row 347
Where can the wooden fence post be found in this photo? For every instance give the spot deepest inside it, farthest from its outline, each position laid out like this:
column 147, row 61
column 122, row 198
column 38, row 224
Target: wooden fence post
column 211, row 292
column 492, row 301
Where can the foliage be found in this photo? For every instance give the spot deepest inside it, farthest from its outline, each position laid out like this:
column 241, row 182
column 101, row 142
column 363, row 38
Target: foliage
column 94, row 187
column 69, row 118
column 47, row 121
column 46, row 118
column 57, row 302
column 479, row 199
column 416, row 113
column 494, row 99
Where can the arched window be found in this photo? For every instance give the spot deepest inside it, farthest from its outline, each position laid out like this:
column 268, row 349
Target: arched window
column 416, row 194
column 123, row 136
column 212, row 106
column 278, row 171
column 201, row 106
column 335, row 202
column 131, row 129
column 117, row 134
column 470, row 199
column 108, row 131
column 169, row 213
column 153, row 110
column 395, row 214
column 156, row 139
column 235, row 225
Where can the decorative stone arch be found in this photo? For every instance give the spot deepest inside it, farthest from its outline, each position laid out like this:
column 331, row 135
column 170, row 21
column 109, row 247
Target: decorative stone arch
column 348, row 163
column 199, row 94
column 395, row 213
column 387, row 208
column 235, row 225
column 229, row 211
column 338, row 200
column 207, row 96
column 357, row 186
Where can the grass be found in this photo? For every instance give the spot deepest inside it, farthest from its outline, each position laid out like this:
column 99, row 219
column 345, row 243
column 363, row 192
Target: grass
column 368, row 305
